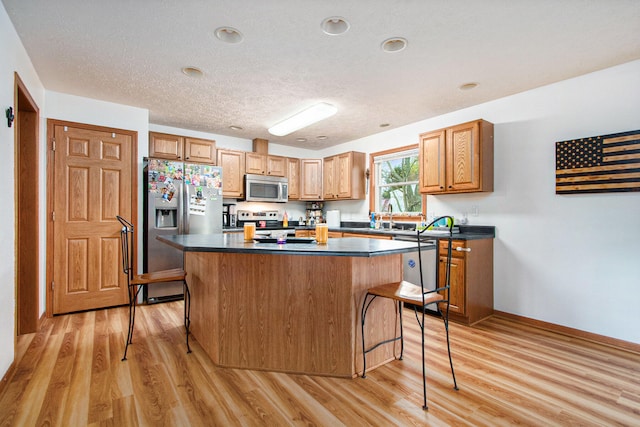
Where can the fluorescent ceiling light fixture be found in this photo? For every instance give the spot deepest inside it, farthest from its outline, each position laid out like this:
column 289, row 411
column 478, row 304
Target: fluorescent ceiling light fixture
column 304, row 118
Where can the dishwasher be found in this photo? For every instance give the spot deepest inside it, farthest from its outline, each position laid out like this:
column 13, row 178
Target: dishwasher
column 411, row 267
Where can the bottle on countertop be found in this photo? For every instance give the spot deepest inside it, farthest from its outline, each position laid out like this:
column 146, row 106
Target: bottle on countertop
column 372, row 224
column 285, row 219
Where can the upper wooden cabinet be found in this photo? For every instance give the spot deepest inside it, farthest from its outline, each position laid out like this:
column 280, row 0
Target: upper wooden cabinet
column 293, row 176
column 199, row 150
column 165, row 146
column 184, row 148
column 458, row 159
column 343, row 176
column 255, row 163
column 310, row 179
column 232, row 163
column 261, row 164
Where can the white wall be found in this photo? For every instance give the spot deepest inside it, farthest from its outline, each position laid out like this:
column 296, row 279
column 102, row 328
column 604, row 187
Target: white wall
column 14, row 59
column 571, row 260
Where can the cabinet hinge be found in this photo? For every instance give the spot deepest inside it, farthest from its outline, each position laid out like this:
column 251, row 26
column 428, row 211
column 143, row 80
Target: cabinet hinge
column 53, row 285
column 53, row 216
column 53, row 144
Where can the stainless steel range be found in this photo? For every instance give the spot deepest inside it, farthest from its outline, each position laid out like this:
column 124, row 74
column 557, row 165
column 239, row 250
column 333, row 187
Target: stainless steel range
column 267, row 222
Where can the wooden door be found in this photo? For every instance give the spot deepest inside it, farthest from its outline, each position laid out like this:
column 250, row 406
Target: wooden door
column 27, row 219
column 432, row 162
column 200, row 150
column 310, row 179
column 463, row 157
column 92, row 184
column 232, row 163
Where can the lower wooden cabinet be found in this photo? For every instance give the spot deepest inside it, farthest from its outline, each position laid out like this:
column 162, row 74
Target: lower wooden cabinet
column 312, row 233
column 471, row 279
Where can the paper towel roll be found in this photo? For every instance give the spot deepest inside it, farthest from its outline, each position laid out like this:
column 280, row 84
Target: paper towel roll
column 333, row 218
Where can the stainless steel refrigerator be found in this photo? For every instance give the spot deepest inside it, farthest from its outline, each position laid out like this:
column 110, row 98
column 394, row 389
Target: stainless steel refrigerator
column 179, row 198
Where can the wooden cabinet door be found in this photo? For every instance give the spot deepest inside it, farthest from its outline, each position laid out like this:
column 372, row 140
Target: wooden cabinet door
column 303, row 233
column 232, row 163
column 310, row 179
column 200, row 150
column 165, row 146
column 432, row 162
column 342, row 175
column 255, row 163
column 463, row 157
column 276, row 166
column 457, row 298
column 293, row 175
column 329, row 191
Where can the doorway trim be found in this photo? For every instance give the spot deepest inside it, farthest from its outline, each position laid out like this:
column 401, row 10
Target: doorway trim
column 51, row 259
column 27, row 218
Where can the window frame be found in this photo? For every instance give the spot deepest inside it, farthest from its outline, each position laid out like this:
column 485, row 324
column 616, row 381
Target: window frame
column 372, row 185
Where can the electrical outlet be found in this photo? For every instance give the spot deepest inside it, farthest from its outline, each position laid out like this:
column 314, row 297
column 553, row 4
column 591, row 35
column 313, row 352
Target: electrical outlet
column 475, row 210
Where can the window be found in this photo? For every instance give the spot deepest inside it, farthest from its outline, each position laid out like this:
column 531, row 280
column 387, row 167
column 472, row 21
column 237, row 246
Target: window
column 395, row 181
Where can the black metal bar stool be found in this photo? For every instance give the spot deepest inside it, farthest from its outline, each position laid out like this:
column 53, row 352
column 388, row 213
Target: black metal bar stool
column 135, row 282
column 419, row 297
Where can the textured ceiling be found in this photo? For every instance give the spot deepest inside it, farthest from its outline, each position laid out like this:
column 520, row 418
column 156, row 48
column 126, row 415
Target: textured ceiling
column 132, row 52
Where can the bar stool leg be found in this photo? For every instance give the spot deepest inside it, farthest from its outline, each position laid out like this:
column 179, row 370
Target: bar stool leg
column 132, row 317
column 187, row 312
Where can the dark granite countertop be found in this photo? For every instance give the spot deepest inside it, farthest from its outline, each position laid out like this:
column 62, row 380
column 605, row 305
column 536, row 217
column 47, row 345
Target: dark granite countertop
column 234, row 243
column 467, row 232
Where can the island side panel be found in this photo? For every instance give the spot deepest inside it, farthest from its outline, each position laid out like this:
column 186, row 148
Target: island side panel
column 203, row 280
column 287, row 313
column 382, row 320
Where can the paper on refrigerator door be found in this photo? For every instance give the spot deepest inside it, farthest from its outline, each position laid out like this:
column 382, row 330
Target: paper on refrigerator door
column 197, row 205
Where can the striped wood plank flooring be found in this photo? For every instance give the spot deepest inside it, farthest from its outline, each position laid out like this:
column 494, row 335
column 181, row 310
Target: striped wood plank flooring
column 70, row 374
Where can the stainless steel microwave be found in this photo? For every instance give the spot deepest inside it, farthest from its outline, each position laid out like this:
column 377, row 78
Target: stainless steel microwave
column 264, row 188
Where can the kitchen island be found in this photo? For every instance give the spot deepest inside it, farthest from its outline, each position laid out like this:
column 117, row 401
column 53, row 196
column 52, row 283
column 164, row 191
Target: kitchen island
column 293, row 307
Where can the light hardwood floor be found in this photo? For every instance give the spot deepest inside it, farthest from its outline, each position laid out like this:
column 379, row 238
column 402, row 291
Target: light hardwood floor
column 70, row 374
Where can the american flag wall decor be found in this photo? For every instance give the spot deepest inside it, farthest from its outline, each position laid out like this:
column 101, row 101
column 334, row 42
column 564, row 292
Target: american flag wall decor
column 599, row 164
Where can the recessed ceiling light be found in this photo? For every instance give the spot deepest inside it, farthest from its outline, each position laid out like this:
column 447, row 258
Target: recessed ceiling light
column 384, row 125
column 234, row 127
column 301, row 139
column 229, row 35
column 322, row 137
column 468, row 86
column 192, row 71
column 394, row 44
column 335, row 26
column 304, row 118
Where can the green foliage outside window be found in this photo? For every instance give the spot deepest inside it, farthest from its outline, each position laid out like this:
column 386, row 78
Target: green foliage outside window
column 397, row 183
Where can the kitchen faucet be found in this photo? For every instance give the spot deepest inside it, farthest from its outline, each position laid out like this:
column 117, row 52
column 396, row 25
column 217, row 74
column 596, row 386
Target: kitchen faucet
column 390, row 212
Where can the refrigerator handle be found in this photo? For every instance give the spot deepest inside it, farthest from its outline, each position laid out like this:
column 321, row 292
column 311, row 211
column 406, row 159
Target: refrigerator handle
column 184, row 206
